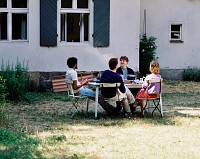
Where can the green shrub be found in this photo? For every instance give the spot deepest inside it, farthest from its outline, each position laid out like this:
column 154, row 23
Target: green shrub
column 191, row 74
column 146, row 54
column 3, row 95
column 3, row 92
column 17, row 81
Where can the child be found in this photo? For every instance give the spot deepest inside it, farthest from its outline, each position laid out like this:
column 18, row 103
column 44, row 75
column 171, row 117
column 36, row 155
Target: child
column 153, row 89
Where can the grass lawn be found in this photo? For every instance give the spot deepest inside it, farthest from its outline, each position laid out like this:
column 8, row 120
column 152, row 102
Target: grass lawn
column 44, row 129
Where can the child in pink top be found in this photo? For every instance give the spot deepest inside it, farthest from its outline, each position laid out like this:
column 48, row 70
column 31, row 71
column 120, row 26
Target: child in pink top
column 153, row 89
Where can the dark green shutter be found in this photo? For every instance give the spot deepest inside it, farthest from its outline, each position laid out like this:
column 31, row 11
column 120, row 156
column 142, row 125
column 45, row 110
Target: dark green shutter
column 48, row 22
column 101, row 23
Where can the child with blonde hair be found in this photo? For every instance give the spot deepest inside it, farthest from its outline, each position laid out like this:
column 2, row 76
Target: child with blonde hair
column 153, row 89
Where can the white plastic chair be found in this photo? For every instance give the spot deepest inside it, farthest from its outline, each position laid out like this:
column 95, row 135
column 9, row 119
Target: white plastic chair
column 76, row 99
column 110, row 93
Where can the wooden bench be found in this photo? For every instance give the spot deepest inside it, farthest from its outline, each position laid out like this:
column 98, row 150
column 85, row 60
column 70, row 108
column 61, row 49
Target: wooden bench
column 85, row 76
column 59, row 83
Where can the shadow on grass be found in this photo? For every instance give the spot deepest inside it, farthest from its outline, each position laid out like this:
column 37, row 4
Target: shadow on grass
column 47, row 120
column 53, row 110
column 105, row 120
column 17, row 145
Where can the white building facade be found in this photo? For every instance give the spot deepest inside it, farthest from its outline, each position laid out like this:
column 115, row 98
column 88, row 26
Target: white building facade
column 176, row 25
column 46, row 32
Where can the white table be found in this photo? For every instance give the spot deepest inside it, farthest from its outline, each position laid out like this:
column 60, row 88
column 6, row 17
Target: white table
column 134, row 85
column 97, row 85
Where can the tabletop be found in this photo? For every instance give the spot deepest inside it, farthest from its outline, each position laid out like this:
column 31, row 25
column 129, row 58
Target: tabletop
column 130, row 85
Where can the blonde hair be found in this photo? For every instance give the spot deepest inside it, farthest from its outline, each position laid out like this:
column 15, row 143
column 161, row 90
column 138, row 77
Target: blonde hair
column 154, row 67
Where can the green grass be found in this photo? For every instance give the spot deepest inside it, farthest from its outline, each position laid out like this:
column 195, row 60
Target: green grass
column 17, row 145
column 44, row 129
column 33, row 98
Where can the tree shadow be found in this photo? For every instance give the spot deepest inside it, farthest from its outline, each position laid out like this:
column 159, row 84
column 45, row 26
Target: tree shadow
column 46, row 116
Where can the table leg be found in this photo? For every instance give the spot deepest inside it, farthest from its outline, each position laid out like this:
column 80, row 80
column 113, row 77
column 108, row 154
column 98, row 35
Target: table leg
column 96, row 101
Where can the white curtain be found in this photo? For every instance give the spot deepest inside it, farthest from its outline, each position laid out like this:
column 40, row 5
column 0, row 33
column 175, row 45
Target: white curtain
column 24, row 27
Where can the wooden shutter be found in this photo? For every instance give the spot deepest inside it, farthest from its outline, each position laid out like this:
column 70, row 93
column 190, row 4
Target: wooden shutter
column 101, row 23
column 48, row 23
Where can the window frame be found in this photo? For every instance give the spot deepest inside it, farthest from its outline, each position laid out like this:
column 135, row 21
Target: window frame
column 181, row 25
column 74, row 9
column 9, row 10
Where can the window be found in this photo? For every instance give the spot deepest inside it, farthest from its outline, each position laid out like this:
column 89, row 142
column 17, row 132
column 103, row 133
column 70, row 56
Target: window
column 176, row 32
column 74, row 21
column 3, row 3
column 13, row 20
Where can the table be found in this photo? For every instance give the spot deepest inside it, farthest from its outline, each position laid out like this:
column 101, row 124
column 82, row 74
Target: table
column 134, row 85
column 97, row 85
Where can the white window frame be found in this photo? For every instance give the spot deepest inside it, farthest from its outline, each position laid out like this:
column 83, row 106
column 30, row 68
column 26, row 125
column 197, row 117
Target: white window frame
column 10, row 11
column 74, row 9
column 181, row 39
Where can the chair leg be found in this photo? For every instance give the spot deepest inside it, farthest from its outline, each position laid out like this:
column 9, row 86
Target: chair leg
column 87, row 104
column 78, row 103
column 146, row 107
column 75, row 104
column 161, row 106
column 156, row 107
column 159, row 103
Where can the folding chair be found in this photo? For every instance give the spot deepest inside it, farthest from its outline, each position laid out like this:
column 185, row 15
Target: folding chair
column 110, row 93
column 76, row 99
column 156, row 103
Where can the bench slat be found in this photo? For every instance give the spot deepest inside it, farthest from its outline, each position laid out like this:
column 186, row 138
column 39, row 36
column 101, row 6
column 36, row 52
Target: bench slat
column 61, row 90
column 59, row 83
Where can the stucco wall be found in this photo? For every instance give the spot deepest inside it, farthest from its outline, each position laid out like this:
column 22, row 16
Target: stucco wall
column 159, row 14
column 124, row 38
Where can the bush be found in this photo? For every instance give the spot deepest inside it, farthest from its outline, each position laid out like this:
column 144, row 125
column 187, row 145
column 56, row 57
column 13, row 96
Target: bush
column 191, row 74
column 146, row 54
column 3, row 92
column 17, row 81
column 3, row 95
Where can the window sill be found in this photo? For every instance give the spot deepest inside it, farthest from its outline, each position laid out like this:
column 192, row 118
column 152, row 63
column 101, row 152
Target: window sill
column 74, row 43
column 176, row 41
column 14, row 41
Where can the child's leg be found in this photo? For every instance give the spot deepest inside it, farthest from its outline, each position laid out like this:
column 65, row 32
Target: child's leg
column 142, row 105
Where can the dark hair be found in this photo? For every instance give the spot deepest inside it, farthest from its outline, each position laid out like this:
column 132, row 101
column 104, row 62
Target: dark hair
column 113, row 63
column 71, row 62
column 124, row 58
